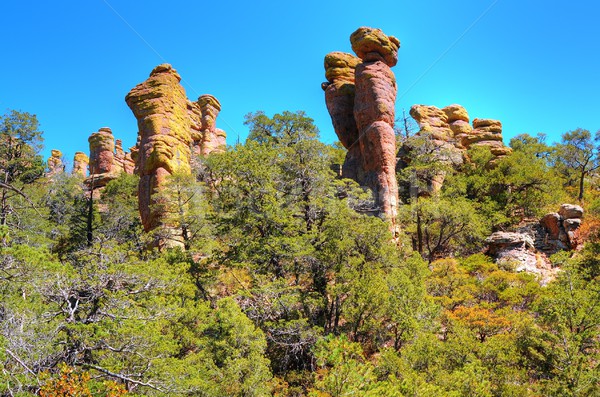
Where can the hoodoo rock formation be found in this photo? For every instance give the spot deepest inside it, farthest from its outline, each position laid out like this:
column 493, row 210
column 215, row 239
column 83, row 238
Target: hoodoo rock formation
column 450, row 127
column 80, row 164
column 55, row 164
column 161, row 109
column 368, row 87
column 339, row 97
column 169, row 127
column 206, row 137
column 106, row 161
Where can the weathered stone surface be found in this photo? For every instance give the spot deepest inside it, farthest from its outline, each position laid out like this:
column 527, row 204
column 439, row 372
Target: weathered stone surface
column 55, row 164
column 552, row 223
column 360, row 95
column 340, row 66
column 160, row 106
column 459, row 127
column 170, row 129
column 569, row 211
column 339, row 98
column 561, row 230
column 517, row 250
column 107, row 160
column 456, row 113
column 373, row 45
column 451, row 124
column 102, row 151
column 213, row 138
column 374, row 112
column 80, row 164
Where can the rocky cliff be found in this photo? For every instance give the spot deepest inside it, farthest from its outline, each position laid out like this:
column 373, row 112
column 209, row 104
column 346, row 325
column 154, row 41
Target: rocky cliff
column 360, row 94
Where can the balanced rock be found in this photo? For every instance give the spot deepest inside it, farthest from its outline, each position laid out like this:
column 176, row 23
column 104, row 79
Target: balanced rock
column 361, row 96
column 212, row 139
column 55, row 164
column 170, row 126
column 561, row 230
column 107, row 159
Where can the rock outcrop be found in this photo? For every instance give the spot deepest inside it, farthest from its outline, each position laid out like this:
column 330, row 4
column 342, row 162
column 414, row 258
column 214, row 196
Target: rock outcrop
column 367, row 86
column 160, row 106
column 169, row 127
column 517, row 250
column 450, row 126
column 80, row 164
column 529, row 248
column 55, row 164
column 450, row 135
column 561, row 229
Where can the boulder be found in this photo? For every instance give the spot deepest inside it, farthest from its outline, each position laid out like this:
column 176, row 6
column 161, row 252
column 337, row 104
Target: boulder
column 570, row 211
column 552, row 223
column 372, row 45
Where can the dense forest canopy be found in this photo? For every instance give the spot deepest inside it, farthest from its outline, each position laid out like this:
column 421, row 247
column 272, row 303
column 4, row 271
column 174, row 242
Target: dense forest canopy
column 286, row 285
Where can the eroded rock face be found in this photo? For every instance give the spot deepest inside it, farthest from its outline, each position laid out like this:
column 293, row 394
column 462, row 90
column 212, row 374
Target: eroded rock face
column 339, row 97
column 212, row 139
column 55, row 164
column 360, row 96
column 530, row 247
column 80, row 164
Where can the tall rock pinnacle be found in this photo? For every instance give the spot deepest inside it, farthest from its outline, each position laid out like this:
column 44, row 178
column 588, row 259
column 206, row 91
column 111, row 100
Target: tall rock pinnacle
column 171, row 130
column 360, row 96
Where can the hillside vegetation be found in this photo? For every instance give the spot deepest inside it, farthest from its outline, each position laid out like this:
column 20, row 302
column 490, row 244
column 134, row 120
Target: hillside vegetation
column 286, row 285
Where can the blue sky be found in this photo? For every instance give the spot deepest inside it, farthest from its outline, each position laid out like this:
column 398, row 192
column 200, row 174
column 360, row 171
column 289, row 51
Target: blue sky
column 532, row 64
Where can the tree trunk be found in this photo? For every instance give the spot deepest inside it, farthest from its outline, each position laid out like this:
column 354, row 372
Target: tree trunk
column 581, row 181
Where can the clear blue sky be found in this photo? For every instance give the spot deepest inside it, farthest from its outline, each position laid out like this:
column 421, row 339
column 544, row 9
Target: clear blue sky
column 534, row 65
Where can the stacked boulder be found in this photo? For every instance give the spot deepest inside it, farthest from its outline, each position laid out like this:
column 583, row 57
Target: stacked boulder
column 206, row 137
column 170, row 126
column 360, row 94
column 450, row 126
column 528, row 249
column 55, row 164
column 561, row 229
